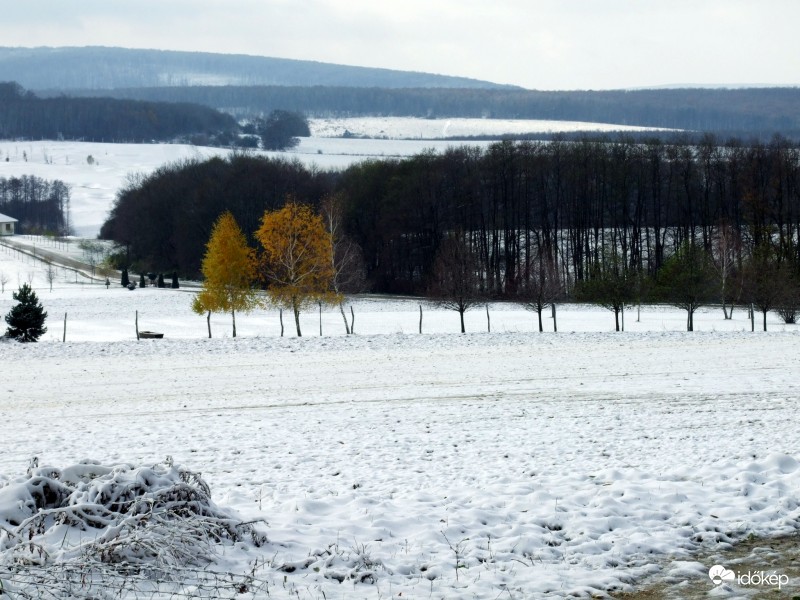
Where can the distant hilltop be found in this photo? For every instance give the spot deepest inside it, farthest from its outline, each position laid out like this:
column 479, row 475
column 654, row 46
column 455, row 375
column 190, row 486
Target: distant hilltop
column 98, row 67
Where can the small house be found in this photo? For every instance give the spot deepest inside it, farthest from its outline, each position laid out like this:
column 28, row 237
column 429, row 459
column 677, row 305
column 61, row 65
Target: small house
column 7, row 225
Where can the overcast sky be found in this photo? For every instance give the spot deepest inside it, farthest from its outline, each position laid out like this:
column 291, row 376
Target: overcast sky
column 537, row 44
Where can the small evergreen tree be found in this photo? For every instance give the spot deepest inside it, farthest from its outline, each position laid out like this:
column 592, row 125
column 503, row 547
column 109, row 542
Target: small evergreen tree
column 26, row 318
column 161, row 280
column 142, row 282
column 175, row 285
column 611, row 284
column 686, row 281
column 124, row 280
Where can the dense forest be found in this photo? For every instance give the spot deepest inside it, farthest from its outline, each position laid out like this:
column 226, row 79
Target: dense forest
column 573, row 203
column 738, row 112
column 24, row 115
column 39, row 205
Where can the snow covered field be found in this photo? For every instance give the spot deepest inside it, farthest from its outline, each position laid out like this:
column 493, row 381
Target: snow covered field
column 431, row 129
column 509, row 464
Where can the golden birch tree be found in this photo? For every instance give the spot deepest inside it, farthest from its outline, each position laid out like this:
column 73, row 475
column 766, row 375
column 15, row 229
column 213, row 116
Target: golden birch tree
column 229, row 271
column 295, row 261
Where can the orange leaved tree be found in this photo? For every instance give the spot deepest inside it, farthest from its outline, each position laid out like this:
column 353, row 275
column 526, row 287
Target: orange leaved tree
column 295, row 261
column 228, row 272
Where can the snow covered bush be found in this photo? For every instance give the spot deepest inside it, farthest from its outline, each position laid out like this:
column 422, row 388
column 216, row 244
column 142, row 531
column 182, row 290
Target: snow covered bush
column 147, row 517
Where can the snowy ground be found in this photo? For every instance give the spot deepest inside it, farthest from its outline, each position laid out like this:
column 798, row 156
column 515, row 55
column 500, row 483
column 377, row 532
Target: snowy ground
column 432, row 129
column 509, row 464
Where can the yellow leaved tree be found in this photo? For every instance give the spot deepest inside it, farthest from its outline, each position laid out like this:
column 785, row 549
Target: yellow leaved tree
column 295, row 261
column 228, row 272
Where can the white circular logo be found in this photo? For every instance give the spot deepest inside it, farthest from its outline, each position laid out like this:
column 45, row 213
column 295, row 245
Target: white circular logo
column 718, row 574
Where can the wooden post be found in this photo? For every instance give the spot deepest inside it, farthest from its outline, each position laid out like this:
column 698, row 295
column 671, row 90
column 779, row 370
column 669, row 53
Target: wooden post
column 555, row 323
column 64, row 337
column 352, row 320
column 280, row 316
column 320, row 319
column 623, row 317
column 752, row 318
column 137, row 324
column 208, row 322
column 420, row 318
column 488, row 320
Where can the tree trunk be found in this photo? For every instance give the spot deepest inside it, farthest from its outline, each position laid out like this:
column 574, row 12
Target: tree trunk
column 752, row 318
column 320, row 319
column 352, row 320
column 208, row 322
column 137, row 325
column 690, row 320
column 280, row 316
column 765, row 319
column 488, row 320
column 344, row 316
column 64, row 338
column 539, row 312
column 555, row 322
column 461, row 314
column 233, row 317
column 420, row 318
column 616, row 319
column 296, row 310
column 622, row 317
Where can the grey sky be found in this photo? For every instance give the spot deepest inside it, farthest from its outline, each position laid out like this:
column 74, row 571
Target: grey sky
column 540, row 44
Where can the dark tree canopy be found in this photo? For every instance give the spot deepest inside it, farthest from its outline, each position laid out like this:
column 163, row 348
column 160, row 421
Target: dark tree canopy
column 574, row 204
column 24, row 115
column 282, row 128
column 26, row 318
column 40, row 206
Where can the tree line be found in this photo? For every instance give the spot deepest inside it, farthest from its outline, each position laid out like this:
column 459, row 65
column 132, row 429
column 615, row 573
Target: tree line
column 24, row 115
column 749, row 112
column 40, row 206
column 533, row 220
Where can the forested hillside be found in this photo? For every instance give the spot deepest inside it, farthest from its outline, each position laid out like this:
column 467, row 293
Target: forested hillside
column 742, row 112
column 251, row 86
column 24, row 115
column 98, row 67
column 576, row 203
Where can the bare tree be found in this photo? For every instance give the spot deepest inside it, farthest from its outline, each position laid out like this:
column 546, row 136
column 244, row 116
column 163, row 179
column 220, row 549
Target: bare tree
column 539, row 283
column 4, row 279
column 726, row 253
column 455, row 280
column 347, row 259
column 50, row 273
column 767, row 283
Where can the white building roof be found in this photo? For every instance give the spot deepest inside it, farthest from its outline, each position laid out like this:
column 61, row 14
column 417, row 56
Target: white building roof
column 7, row 219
